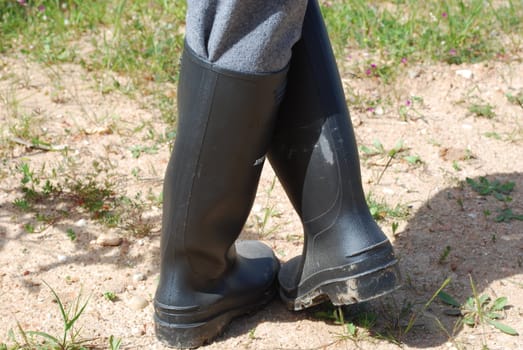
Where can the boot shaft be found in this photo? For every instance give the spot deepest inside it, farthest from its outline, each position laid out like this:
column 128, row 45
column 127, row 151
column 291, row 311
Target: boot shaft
column 346, row 257
column 225, row 122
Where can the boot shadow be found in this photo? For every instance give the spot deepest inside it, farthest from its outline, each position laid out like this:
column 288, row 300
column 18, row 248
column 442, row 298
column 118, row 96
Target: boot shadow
column 458, row 234
column 470, row 238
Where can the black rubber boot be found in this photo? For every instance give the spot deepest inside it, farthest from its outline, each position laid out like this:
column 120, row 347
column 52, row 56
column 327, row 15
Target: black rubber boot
column 225, row 124
column 346, row 257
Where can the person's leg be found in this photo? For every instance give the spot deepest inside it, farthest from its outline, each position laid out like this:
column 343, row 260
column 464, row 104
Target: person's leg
column 346, row 257
column 225, row 123
column 245, row 35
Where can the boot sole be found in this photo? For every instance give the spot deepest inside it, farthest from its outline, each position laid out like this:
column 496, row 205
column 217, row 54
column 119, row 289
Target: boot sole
column 194, row 335
column 349, row 290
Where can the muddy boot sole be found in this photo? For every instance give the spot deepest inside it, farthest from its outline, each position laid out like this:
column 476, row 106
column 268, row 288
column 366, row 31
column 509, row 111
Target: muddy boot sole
column 348, row 290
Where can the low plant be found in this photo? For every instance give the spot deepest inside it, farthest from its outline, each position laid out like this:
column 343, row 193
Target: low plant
column 516, row 99
column 263, row 218
column 354, row 328
column 69, row 339
column 506, row 214
column 86, row 194
column 114, row 343
column 377, row 150
column 485, row 187
column 499, row 190
column 381, row 210
column 444, row 255
column 479, row 310
column 111, row 296
column 482, row 110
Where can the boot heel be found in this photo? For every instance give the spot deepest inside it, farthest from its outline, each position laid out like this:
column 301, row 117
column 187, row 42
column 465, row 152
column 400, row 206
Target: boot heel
column 348, row 291
column 363, row 288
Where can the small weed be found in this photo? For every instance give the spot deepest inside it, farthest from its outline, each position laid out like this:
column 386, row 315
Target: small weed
column 349, row 330
column 114, row 343
column 381, row 210
column 355, row 328
column 408, row 110
column 111, row 296
column 29, row 181
column 137, row 151
column 26, row 127
column 394, row 226
column 22, row 204
column 29, row 227
column 506, row 215
column 413, row 160
column 267, row 213
column 460, row 203
column 516, row 99
column 82, row 194
column 71, row 234
column 252, row 334
column 444, row 255
column 479, row 310
column 377, row 149
column 492, row 135
column 69, row 340
column 482, row 110
column 415, row 315
column 499, row 190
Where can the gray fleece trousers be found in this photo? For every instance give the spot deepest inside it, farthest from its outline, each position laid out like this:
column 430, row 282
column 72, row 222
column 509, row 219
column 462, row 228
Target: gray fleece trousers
column 251, row 36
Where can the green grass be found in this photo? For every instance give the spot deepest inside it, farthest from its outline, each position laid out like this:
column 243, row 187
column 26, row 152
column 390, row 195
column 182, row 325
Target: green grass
column 92, row 195
column 143, row 38
column 480, row 310
column 482, row 110
column 500, row 191
column 453, row 31
column 380, row 210
column 69, row 339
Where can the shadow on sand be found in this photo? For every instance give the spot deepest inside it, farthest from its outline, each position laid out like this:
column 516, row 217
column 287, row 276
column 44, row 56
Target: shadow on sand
column 453, row 235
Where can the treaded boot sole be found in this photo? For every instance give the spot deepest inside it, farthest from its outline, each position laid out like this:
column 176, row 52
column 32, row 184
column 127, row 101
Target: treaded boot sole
column 193, row 335
column 351, row 290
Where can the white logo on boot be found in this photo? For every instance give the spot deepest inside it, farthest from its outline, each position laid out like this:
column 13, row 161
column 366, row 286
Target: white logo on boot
column 259, row 161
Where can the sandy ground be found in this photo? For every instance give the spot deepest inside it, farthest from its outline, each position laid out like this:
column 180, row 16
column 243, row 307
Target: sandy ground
column 70, row 106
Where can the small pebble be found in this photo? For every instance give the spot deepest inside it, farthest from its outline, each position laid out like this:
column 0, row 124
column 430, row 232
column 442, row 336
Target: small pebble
column 414, row 73
column 387, row 190
column 109, row 240
column 464, row 73
column 61, row 258
column 138, row 303
column 81, row 223
column 137, row 277
column 137, row 332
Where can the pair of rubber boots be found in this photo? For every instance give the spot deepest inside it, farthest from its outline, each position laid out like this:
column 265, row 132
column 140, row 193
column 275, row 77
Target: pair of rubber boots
column 228, row 122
